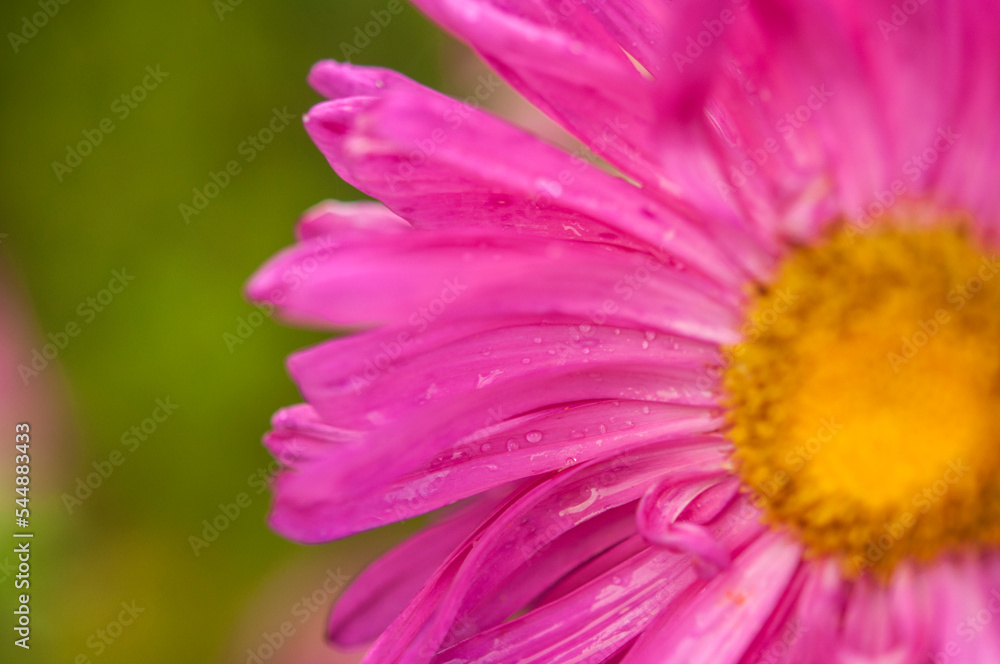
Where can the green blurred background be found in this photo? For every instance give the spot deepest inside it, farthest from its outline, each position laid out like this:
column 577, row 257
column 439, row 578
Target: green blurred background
column 163, row 335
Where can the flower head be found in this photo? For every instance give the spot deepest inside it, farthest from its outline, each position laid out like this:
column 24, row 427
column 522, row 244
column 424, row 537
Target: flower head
column 736, row 401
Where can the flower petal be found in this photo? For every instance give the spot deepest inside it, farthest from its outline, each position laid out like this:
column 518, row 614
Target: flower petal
column 597, row 619
column 531, row 520
column 423, row 277
column 737, row 603
column 443, row 164
column 380, row 593
column 333, row 217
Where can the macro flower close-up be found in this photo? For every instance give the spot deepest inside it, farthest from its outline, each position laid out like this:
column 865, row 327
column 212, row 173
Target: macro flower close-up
column 721, row 385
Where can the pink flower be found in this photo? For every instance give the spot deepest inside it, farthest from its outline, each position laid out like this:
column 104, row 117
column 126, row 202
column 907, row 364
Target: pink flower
column 738, row 404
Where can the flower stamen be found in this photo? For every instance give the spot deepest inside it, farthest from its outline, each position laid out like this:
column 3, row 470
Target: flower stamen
column 864, row 402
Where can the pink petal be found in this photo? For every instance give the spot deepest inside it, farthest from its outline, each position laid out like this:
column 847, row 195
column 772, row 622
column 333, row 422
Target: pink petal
column 336, row 218
column 521, row 530
column 737, row 604
column 541, row 61
column 569, row 67
column 598, row 618
column 384, row 588
column 442, row 164
column 667, row 519
column 484, row 424
column 422, row 277
column 965, row 602
column 316, row 500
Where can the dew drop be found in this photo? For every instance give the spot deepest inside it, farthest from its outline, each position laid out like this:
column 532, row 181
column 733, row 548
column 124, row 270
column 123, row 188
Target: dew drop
column 526, row 360
column 602, row 429
column 511, row 444
column 645, row 344
column 585, row 328
column 533, row 436
column 537, row 340
column 650, row 335
column 486, row 447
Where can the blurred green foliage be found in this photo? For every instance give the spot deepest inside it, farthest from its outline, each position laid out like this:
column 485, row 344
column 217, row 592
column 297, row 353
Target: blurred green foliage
column 163, row 335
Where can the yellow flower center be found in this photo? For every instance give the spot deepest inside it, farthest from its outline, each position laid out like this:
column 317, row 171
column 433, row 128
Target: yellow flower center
column 864, row 402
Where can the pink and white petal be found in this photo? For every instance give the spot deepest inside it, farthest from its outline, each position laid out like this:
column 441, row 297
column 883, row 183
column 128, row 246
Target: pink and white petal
column 737, row 603
column 553, row 506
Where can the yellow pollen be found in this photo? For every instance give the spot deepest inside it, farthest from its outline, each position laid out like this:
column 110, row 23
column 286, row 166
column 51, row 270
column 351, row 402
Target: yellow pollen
column 864, row 400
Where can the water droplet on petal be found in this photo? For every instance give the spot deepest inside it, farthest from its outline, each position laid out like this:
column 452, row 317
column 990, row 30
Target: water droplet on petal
column 533, row 436
column 526, row 360
column 650, row 335
column 585, row 328
column 645, row 345
column 486, row 447
column 511, row 444
column 537, row 340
